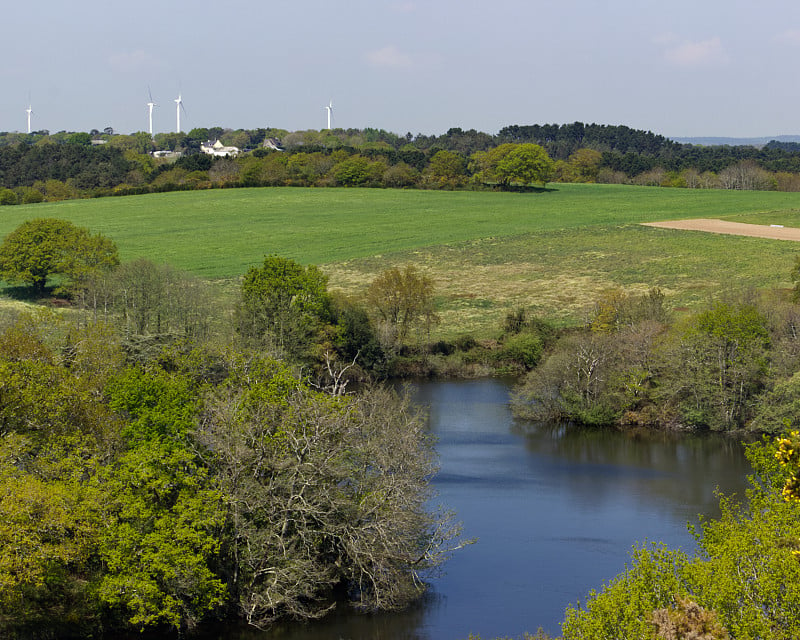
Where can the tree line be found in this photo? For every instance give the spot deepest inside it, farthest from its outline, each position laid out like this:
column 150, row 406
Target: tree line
column 730, row 367
column 40, row 166
column 283, row 308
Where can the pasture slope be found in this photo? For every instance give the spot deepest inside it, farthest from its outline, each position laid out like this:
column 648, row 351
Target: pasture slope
column 551, row 251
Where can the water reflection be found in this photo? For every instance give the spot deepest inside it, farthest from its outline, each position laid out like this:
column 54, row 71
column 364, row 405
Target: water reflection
column 680, row 471
column 556, row 510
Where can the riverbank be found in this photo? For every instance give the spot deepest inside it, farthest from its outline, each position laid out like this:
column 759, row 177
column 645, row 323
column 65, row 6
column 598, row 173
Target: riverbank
column 729, row 368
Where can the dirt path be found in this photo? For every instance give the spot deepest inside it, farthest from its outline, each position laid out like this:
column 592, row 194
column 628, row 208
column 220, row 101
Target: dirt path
column 713, row 225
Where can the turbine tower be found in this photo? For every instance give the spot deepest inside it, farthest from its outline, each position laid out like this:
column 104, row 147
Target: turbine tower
column 329, row 109
column 29, row 111
column 178, row 107
column 150, row 106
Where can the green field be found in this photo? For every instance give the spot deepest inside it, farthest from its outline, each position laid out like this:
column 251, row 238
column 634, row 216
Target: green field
column 552, row 251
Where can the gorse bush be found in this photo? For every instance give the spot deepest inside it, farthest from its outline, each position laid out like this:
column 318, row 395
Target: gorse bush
column 745, row 580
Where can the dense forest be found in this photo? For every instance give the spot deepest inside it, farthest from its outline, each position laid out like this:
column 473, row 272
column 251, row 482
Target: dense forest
column 43, row 166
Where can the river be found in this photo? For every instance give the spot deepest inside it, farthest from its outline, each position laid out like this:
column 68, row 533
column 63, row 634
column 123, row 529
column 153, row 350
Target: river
column 556, row 511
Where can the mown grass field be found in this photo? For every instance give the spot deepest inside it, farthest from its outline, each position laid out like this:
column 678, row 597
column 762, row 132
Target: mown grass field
column 551, row 251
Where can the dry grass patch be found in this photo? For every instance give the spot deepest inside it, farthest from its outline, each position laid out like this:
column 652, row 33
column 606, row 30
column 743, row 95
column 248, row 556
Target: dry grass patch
column 474, row 298
column 559, row 275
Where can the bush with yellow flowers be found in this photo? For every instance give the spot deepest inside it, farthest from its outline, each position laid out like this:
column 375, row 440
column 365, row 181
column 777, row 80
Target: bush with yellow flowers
column 788, row 455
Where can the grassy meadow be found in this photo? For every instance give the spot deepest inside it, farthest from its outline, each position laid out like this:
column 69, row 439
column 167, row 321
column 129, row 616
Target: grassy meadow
column 551, row 251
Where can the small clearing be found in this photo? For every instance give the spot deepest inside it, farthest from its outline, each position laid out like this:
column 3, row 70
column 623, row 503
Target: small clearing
column 713, row 225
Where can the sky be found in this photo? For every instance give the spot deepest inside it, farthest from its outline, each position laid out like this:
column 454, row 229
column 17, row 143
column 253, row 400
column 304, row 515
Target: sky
column 680, row 68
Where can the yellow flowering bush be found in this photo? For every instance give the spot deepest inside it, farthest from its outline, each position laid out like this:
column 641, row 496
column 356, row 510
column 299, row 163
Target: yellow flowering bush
column 788, row 455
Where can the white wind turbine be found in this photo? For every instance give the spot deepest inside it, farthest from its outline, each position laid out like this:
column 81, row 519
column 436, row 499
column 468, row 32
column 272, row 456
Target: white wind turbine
column 329, row 109
column 178, row 107
column 29, row 111
column 150, row 106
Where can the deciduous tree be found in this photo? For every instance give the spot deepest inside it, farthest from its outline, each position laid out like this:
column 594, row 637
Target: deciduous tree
column 584, row 165
column 45, row 247
column 402, row 299
column 723, row 360
column 160, row 538
column 524, row 164
column 446, row 169
column 511, row 163
column 150, row 299
column 284, row 303
column 324, row 494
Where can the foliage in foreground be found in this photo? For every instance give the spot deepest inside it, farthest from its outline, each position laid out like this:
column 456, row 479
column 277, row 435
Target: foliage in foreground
column 744, row 582
column 205, row 484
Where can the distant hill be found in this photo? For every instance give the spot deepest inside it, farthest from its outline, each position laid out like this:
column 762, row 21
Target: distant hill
column 734, row 142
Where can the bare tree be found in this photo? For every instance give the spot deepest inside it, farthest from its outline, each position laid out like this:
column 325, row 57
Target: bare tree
column 691, row 177
column 148, row 298
column 334, row 374
column 744, row 175
column 653, row 178
column 224, row 170
column 324, row 494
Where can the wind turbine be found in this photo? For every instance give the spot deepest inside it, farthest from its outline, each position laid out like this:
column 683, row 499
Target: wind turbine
column 150, row 106
column 29, row 111
column 178, row 107
column 329, row 109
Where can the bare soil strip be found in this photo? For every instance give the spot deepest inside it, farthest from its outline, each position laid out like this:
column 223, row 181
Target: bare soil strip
column 713, row 225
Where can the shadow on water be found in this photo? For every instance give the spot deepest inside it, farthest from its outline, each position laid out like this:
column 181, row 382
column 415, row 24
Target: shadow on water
column 557, row 508
column 343, row 624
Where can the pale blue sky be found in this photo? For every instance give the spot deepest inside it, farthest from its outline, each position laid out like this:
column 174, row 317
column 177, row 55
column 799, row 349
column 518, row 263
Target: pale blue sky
column 679, row 68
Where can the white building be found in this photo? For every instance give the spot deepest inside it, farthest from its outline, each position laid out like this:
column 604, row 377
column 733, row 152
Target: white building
column 273, row 143
column 166, row 153
column 216, row 148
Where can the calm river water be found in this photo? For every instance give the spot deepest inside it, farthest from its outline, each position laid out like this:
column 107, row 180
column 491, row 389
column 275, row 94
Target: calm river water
column 556, row 511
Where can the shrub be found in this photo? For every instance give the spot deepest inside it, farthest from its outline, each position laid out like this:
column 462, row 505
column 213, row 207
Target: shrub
column 524, row 349
column 31, row 195
column 8, row 197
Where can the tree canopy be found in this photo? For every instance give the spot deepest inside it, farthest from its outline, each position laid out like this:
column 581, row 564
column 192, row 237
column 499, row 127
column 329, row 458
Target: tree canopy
column 510, row 163
column 284, row 302
column 402, row 299
column 40, row 166
column 206, row 483
column 45, row 247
